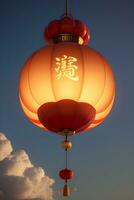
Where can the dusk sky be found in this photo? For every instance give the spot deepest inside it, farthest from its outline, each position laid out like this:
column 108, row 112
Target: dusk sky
column 103, row 158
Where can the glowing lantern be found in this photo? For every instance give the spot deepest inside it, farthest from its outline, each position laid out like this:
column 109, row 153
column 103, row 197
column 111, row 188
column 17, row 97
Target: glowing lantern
column 66, row 87
column 66, row 71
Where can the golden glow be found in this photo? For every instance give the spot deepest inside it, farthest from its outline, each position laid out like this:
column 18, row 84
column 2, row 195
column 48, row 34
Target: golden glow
column 67, row 71
column 80, row 40
column 66, row 68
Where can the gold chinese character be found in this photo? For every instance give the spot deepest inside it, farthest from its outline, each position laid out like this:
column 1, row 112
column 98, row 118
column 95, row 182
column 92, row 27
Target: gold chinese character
column 66, row 68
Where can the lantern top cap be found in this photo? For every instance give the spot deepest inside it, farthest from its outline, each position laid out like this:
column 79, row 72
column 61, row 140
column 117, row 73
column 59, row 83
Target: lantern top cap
column 66, row 29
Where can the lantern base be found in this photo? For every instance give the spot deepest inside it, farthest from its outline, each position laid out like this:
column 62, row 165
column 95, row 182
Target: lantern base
column 66, row 116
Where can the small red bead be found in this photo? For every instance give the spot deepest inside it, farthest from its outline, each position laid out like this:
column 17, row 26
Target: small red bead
column 66, row 174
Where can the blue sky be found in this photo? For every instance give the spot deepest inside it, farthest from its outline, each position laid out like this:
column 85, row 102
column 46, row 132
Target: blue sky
column 102, row 159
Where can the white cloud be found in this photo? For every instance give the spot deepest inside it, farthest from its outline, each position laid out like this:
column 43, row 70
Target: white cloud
column 19, row 179
column 15, row 164
column 5, row 146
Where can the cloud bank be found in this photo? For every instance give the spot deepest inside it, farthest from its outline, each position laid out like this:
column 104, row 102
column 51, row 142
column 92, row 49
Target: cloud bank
column 19, row 178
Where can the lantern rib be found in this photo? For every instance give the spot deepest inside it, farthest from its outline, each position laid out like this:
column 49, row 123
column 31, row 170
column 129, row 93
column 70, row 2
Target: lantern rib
column 29, row 83
column 104, row 82
column 110, row 105
column 26, row 107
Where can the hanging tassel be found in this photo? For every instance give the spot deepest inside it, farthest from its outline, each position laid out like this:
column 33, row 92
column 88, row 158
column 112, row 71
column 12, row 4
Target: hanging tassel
column 66, row 191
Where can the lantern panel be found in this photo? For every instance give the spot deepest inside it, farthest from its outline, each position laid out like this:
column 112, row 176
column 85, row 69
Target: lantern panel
column 109, row 89
column 24, row 90
column 94, row 77
column 98, row 86
column 67, row 71
column 40, row 80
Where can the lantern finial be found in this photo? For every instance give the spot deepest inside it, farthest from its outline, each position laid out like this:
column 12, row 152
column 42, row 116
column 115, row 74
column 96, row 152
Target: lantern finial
column 67, row 29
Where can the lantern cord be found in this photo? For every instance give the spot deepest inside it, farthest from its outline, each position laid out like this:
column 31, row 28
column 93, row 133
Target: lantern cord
column 66, row 7
column 72, row 9
column 66, row 158
column 66, row 154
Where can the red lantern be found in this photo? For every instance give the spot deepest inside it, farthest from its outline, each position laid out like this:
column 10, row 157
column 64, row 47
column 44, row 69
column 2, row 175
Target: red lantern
column 66, row 174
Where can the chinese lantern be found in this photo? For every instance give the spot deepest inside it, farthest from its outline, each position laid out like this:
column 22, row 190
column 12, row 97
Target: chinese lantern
column 49, row 92
column 66, row 87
